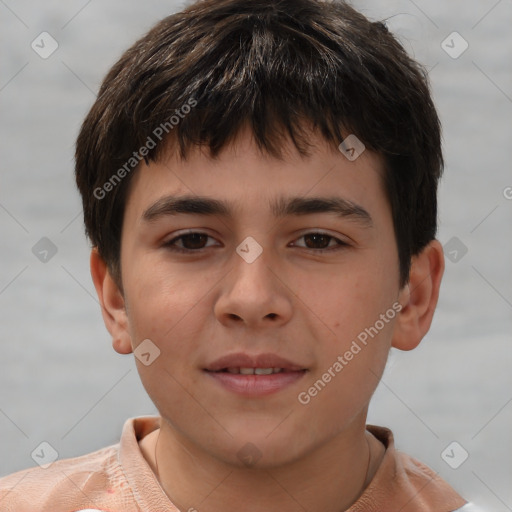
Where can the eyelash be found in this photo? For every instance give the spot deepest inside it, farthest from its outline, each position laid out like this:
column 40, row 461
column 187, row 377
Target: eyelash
column 171, row 243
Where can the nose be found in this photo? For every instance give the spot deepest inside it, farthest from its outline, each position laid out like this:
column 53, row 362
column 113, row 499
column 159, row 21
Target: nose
column 254, row 294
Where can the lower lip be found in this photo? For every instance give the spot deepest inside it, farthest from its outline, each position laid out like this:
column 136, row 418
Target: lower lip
column 256, row 385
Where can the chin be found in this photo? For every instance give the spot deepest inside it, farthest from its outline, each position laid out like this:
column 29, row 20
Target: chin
column 246, row 454
column 262, row 446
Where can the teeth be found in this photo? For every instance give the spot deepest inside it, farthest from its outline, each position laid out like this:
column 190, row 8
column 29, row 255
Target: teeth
column 263, row 371
column 254, row 371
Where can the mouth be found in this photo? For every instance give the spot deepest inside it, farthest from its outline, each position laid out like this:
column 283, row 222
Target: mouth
column 254, row 371
column 254, row 376
column 247, row 364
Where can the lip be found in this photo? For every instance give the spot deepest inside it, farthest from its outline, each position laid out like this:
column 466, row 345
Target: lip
column 255, row 385
column 241, row 360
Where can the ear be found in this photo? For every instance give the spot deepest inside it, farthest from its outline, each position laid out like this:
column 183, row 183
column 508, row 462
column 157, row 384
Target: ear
column 112, row 304
column 419, row 297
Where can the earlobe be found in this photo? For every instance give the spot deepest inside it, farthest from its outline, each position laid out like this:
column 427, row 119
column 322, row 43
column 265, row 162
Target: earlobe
column 112, row 304
column 419, row 297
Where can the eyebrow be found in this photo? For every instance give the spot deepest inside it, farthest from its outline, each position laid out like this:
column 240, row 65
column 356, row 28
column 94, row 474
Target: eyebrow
column 280, row 207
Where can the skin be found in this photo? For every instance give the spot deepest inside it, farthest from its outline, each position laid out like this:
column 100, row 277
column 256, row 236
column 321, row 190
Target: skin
column 292, row 300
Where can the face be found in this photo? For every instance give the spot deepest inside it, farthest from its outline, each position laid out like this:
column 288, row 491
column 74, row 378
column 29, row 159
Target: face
column 246, row 261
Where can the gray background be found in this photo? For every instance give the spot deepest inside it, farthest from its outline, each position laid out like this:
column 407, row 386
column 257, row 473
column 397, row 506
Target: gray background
column 60, row 380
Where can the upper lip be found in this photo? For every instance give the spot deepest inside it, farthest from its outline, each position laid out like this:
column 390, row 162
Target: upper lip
column 241, row 360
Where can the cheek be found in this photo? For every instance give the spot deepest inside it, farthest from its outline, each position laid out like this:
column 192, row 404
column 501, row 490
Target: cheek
column 343, row 301
column 347, row 374
column 160, row 299
column 164, row 307
column 172, row 308
column 353, row 318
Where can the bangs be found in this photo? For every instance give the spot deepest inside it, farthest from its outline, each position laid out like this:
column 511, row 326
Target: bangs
column 263, row 70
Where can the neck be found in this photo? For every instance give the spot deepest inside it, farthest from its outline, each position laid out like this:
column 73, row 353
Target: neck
column 194, row 479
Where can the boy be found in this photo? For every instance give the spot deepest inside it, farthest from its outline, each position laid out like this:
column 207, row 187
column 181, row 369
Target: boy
column 259, row 186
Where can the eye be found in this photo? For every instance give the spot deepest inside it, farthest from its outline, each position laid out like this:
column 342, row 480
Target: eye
column 321, row 242
column 196, row 241
column 193, row 241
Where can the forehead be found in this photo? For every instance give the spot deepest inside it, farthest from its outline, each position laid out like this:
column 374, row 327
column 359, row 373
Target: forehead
column 243, row 177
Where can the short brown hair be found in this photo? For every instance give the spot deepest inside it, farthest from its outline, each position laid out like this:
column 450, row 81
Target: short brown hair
column 271, row 64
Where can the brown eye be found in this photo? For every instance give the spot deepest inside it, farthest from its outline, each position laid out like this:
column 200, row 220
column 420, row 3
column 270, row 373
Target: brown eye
column 321, row 242
column 194, row 240
column 317, row 240
column 189, row 242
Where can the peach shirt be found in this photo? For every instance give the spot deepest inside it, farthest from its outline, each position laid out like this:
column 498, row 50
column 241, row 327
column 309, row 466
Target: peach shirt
column 118, row 479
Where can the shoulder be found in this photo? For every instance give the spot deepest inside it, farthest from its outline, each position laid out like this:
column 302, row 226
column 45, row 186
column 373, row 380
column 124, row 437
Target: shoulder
column 438, row 489
column 78, row 482
column 113, row 478
column 405, row 481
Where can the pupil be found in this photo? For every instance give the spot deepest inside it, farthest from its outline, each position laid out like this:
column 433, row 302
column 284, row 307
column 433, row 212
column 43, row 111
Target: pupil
column 197, row 240
column 317, row 239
